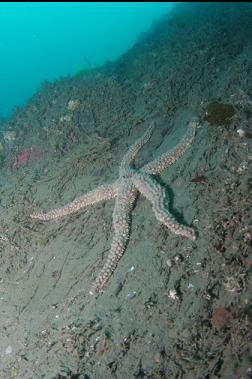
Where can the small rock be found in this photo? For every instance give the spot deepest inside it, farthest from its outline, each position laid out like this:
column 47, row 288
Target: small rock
column 8, row 350
column 73, row 105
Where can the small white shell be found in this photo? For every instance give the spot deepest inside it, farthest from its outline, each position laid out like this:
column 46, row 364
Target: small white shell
column 173, row 294
column 241, row 132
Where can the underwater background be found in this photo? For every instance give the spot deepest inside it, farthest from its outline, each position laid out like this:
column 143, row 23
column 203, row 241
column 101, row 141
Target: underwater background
column 44, row 41
column 174, row 299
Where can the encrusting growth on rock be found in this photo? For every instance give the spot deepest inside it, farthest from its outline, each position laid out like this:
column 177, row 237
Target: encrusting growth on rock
column 131, row 182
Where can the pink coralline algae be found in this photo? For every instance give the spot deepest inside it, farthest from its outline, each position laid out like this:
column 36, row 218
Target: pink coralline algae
column 22, row 158
column 26, row 154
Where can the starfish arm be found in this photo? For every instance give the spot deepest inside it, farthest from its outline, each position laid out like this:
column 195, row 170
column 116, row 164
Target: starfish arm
column 104, row 192
column 123, row 206
column 156, row 194
column 133, row 150
column 169, row 158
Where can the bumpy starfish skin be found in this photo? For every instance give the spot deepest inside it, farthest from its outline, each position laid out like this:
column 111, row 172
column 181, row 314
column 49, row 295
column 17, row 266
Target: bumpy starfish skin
column 131, row 182
column 123, row 206
column 157, row 195
column 105, row 192
column 169, row 158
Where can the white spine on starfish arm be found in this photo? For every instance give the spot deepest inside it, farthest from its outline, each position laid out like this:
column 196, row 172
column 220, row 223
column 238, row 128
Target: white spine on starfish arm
column 102, row 193
column 156, row 194
column 124, row 203
column 169, row 158
column 134, row 149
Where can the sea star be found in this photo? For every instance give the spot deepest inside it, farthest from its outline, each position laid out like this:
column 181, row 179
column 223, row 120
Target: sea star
column 125, row 189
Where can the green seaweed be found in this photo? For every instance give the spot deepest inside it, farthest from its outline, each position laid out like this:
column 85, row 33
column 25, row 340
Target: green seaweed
column 43, row 242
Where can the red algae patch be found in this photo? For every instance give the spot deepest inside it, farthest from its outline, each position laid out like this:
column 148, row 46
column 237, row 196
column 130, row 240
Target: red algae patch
column 221, row 317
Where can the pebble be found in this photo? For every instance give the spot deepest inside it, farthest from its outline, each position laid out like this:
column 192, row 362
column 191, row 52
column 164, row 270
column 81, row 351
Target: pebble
column 131, row 295
column 8, row 351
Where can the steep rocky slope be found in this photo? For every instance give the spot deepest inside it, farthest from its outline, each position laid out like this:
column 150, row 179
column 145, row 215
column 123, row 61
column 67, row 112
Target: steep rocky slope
column 173, row 308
